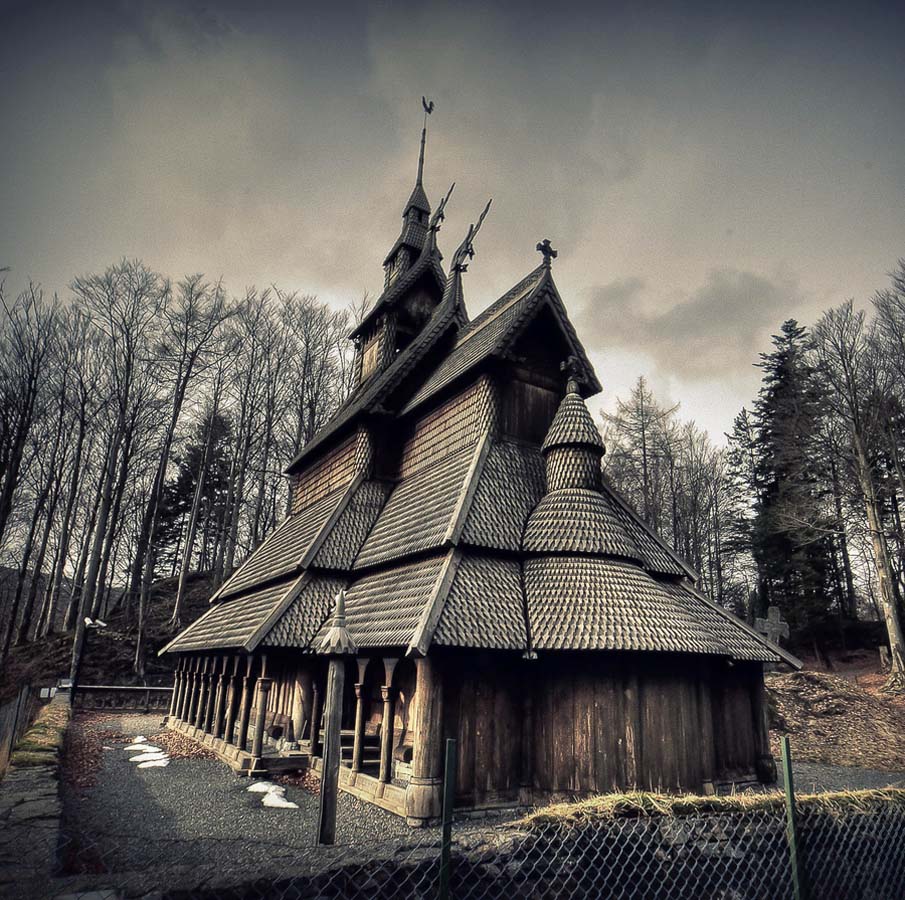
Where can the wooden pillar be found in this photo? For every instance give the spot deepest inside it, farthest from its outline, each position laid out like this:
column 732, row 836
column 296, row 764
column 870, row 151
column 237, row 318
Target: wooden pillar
column 387, row 723
column 358, row 741
column 207, row 723
column 220, row 703
column 204, row 682
column 526, row 754
column 424, row 794
column 315, row 718
column 189, row 697
column 764, row 764
column 245, row 714
column 264, row 686
column 188, row 680
column 301, row 703
column 233, row 698
column 333, row 710
column 177, row 683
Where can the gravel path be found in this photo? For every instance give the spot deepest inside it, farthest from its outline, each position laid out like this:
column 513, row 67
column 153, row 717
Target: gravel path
column 197, row 810
column 817, row 777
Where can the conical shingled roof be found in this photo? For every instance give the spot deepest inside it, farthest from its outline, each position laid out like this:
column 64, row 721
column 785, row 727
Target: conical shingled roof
column 577, row 520
column 572, row 425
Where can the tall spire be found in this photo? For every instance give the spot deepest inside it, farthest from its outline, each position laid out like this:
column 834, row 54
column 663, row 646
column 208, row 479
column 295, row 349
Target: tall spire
column 415, row 215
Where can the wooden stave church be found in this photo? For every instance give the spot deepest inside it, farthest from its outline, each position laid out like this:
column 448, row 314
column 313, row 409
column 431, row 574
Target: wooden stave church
column 497, row 589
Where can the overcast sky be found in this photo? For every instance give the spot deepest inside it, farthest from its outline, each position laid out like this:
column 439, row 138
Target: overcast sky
column 705, row 172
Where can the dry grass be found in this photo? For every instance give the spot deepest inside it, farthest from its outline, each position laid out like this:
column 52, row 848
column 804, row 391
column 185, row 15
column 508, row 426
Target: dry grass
column 641, row 804
column 41, row 744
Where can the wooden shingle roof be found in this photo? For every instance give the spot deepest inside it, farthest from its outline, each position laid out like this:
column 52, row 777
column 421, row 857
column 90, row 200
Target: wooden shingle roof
column 494, row 330
column 232, row 623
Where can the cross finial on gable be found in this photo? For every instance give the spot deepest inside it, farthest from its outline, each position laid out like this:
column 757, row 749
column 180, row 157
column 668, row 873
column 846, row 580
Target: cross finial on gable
column 546, row 250
column 774, row 626
column 572, row 367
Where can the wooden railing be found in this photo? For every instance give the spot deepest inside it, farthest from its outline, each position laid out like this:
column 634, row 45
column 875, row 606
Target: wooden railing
column 122, row 697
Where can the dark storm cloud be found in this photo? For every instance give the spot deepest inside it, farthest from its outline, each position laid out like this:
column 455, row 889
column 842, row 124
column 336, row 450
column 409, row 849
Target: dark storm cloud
column 708, row 333
column 694, row 148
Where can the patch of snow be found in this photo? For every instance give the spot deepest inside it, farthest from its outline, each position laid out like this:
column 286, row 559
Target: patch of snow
column 266, row 787
column 140, row 739
column 154, row 764
column 148, row 748
column 145, row 757
column 275, row 800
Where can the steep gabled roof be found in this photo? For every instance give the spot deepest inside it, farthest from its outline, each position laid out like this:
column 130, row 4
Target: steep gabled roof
column 371, row 394
column 494, row 330
column 427, row 264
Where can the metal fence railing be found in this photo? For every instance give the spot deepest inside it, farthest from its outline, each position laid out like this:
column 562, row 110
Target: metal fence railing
column 852, row 849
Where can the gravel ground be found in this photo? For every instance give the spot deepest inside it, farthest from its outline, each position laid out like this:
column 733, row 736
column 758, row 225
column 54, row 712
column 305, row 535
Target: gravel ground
column 817, row 777
column 198, row 810
column 196, row 813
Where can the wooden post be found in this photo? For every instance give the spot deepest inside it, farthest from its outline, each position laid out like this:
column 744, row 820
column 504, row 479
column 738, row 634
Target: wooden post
column 219, row 706
column 337, row 643
column 449, row 801
column 301, row 703
column 257, row 747
column 423, row 794
column 333, row 710
column 245, row 715
column 204, row 680
column 177, row 683
column 799, row 887
column 208, row 721
column 358, row 740
column 232, row 702
column 191, row 695
column 386, row 734
column 315, row 718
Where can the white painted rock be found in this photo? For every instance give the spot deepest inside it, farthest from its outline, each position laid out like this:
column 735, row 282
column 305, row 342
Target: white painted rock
column 154, row 764
column 275, row 800
column 148, row 757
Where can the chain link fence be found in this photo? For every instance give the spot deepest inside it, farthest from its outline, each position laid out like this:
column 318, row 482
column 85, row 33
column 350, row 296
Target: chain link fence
column 851, row 849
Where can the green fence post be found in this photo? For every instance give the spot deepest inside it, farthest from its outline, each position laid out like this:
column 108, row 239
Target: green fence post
column 449, row 797
column 799, row 884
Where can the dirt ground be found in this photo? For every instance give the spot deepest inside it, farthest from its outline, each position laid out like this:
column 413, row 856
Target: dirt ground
column 841, row 717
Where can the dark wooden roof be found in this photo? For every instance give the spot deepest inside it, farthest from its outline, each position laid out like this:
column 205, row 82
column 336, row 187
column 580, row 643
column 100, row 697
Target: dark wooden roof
column 470, row 547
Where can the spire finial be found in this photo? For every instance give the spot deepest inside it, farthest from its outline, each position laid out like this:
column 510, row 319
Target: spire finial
column 337, row 640
column 547, row 251
column 466, row 248
column 428, row 106
column 572, row 367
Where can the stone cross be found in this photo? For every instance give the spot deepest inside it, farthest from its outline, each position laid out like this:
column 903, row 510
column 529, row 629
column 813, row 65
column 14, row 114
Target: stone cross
column 774, row 626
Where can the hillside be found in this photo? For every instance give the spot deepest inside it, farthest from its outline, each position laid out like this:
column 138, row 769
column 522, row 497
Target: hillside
column 109, row 651
column 839, row 719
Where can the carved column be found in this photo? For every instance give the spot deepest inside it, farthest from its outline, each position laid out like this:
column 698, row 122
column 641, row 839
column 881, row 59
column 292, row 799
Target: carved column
column 301, row 703
column 264, row 686
column 220, row 704
column 177, row 686
column 315, row 718
column 358, row 741
column 386, row 734
column 203, row 683
column 424, row 795
column 245, row 714
column 207, row 723
column 195, row 692
column 233, row 698
column 188, row 683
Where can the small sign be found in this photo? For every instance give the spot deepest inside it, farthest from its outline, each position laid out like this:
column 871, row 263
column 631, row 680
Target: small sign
column 45, row 693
